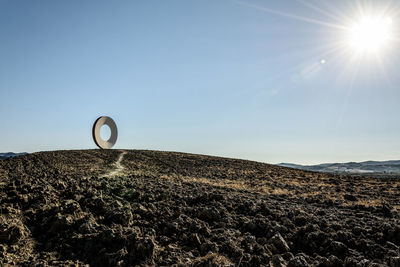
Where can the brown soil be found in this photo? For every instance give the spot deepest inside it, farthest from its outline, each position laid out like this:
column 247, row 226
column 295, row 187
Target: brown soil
column 104, row 208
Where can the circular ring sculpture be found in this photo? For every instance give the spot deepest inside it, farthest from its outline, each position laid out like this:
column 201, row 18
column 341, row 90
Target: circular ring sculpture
column 104, row 120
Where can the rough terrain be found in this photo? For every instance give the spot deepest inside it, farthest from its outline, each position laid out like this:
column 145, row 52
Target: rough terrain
column 136, row 207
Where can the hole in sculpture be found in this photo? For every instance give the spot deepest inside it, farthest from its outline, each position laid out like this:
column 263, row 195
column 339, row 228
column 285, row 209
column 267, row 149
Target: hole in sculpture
column 105, row 132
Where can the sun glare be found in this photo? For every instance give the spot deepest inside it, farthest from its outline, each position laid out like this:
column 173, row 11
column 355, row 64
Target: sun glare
column 360, row 32
column 370, row 34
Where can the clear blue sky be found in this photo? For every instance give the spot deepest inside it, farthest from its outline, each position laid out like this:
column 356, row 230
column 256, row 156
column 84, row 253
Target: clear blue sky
column 218, row 77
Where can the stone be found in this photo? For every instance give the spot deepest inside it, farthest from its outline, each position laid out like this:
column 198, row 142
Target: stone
column 279, row 243
column 298, row 261
column 278, row 261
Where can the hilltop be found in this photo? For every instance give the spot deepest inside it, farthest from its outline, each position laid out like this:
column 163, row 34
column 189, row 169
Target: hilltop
column 137, row 207
column 11, row 154
column 380, row 168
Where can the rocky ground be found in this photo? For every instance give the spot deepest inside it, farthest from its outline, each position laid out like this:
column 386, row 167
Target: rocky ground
column 102, row 208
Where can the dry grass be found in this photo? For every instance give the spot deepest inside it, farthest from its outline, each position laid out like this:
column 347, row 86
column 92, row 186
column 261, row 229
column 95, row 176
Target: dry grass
column 302, row 187
column 212, row 259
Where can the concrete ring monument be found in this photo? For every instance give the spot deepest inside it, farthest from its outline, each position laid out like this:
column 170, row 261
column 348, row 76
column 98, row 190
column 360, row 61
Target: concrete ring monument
column 104, row 120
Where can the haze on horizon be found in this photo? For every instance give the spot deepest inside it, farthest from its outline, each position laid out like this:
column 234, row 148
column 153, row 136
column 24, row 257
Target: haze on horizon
column 272, row 81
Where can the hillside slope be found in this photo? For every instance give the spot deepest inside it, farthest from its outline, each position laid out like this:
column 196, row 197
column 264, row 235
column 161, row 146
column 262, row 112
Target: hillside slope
column 122, row 208
column 377, row 168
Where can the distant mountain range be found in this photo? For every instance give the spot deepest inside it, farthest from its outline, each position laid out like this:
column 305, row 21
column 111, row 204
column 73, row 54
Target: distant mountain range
column 366, row 167
column 11, row 154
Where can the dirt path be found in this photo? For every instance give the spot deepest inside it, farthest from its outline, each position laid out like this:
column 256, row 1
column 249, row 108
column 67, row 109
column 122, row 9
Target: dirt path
column 119, row 169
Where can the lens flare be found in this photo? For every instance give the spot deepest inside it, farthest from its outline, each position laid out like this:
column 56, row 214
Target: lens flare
column 370, row 34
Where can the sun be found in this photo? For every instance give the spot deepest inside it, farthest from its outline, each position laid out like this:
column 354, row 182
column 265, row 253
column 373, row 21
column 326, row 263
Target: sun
column 370, row 34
